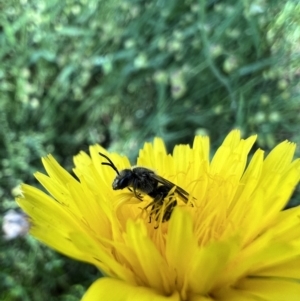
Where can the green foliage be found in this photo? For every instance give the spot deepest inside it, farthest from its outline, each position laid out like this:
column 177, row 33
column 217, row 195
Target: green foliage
column 32, row 272
column 120, row 72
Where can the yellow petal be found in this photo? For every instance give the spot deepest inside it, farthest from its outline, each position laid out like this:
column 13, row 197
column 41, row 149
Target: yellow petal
column 116, row 290
column 289, row 270
column 236, row 295
column 181, row 244
column 286, row 226
column 101, row 257
column 231, row 156
column 271, row 289
column 50, row 223
column 216, row 256
column 279, row 157
column 55, row 171
column 195, row 297
column 148, row 262
column 201, row 147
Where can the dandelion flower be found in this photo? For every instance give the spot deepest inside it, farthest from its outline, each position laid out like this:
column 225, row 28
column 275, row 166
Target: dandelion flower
column 230, row 241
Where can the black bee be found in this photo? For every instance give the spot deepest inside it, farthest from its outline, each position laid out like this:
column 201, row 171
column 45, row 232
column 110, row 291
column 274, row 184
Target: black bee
column 143, row 180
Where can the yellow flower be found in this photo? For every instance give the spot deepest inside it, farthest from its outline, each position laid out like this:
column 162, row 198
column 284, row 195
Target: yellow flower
column 229, row 241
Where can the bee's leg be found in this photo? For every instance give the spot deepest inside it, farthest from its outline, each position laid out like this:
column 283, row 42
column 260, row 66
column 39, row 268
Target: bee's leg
column 152, row 208
column 169, row 209
column 136, row 194
column 155, row 210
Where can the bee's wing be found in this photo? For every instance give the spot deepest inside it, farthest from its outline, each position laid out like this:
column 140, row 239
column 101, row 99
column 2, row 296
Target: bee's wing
column 181, row 192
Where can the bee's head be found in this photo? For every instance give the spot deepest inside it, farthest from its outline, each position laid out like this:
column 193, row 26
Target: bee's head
column 123, row 179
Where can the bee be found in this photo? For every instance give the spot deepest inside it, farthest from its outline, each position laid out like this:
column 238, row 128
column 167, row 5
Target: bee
column 141, row 180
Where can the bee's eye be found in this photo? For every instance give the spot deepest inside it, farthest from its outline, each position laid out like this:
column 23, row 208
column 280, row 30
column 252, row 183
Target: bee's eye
column 123, row 180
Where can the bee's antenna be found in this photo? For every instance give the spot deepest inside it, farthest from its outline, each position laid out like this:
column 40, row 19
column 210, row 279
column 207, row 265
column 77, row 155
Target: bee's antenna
column 111, row 164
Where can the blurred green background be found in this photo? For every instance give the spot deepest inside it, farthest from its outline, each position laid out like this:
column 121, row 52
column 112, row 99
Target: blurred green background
column 120, row 72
